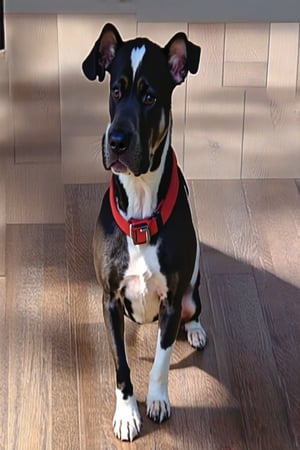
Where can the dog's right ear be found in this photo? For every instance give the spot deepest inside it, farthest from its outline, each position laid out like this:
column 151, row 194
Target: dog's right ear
column 102, row 53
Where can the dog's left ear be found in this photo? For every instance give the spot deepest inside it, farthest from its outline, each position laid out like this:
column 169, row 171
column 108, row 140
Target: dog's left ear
column 183, row 56
column 102, row 53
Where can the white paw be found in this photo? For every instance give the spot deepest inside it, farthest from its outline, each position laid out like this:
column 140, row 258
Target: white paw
column 127, row 420
column 196, row 334
column 158, row 405
column 158, row 410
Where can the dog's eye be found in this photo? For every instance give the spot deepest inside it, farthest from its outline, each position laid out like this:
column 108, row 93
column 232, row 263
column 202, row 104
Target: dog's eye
column 149, row 99
column 116, row 93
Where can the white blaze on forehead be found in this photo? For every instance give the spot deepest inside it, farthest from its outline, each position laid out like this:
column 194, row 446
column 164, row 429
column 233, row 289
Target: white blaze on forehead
column 137, row 55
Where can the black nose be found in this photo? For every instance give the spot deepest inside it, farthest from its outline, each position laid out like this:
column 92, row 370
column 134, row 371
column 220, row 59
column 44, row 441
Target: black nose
column 119, row 141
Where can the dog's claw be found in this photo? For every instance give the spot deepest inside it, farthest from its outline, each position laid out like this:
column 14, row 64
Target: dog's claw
column 196, row 335
column 196, row 340
column 127, row 421
column 159, row 410
column 127, row 430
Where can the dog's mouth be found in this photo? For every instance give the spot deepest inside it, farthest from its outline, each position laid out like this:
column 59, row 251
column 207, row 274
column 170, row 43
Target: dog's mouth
column 118, row 167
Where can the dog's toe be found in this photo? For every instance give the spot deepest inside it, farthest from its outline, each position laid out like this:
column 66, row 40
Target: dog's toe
column 127, row 429
column 158, row 410
column 127, row 420
column 196, row 335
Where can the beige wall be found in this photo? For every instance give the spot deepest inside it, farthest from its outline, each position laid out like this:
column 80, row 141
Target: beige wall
column 238, row 118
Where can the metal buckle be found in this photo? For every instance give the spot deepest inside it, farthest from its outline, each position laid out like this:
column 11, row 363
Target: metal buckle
column 140, row 233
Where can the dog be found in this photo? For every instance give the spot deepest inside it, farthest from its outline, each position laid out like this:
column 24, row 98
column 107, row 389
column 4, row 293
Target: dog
column 146, row 251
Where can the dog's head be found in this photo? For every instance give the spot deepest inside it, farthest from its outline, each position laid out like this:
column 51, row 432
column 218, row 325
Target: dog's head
column 143, row 76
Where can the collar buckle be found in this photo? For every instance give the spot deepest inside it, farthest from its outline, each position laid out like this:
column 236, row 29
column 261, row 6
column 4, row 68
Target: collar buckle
column 140, row 233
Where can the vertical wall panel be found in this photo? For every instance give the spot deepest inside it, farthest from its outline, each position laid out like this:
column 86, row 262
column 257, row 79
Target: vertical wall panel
column 161, row 34
column 214, row 117
column 271, row 135
column 214, row 133
column 245, row 74
column 4, row 143
column 2, row 40
column 284, row 48
column 298, row 78
column 210, row 37
column 246, row 42
column 33, row 56
column 246, row 54
column 46, row 81
column 34, row 194
column 84, row 104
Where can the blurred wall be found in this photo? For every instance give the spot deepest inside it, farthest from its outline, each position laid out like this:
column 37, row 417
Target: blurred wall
column 239, row 117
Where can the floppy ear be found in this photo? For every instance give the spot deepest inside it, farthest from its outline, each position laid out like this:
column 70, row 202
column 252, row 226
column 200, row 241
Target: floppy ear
column 183, row 56
column 102, row 53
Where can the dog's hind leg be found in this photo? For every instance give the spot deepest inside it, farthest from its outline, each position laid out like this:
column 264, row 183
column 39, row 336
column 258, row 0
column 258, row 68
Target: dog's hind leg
column 196, row 334
column 191, row 309
column 127, row 420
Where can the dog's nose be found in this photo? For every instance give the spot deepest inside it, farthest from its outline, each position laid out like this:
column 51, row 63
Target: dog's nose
column 119, row 141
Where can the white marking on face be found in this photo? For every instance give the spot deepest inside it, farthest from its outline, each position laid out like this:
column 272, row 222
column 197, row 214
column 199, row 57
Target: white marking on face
column 142, row 191
column 137, row 55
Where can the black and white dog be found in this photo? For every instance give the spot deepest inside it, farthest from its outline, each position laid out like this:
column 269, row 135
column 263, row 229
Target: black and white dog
column 146, row 251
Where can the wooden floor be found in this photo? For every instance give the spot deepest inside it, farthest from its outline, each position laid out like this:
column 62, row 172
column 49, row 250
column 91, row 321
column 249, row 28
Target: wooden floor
column 242, row 392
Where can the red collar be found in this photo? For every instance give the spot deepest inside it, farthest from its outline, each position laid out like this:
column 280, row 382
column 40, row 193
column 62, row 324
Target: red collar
column 141, row 230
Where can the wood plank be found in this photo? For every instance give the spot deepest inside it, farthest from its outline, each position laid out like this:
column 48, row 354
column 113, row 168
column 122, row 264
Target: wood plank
column 4, row 346
column 217, row 407
column 230, row 251
column 214, row 131
column 59, row 332
column 246, row 42
column 226, row 238
column 271, row 135
column 237, row 74
column 29, row 382
column 33, row 58
column 84, row 104
column 42, row 411
column 244, row 339
column 275, row 217
column 266, row 200
column 93, row 360
column 161, row 33
column 210, row 37
column 57, row 377
column 34, row 194
column 283, row 56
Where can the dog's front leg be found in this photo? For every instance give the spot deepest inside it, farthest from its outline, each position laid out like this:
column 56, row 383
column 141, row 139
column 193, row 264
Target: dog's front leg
column 127, row 419
column 158, row 403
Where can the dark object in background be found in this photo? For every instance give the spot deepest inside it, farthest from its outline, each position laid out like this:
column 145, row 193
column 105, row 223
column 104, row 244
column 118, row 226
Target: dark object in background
column 1, row 26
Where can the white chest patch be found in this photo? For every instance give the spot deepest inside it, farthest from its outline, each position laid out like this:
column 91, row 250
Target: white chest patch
column 137, row 55
column 145, row 285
